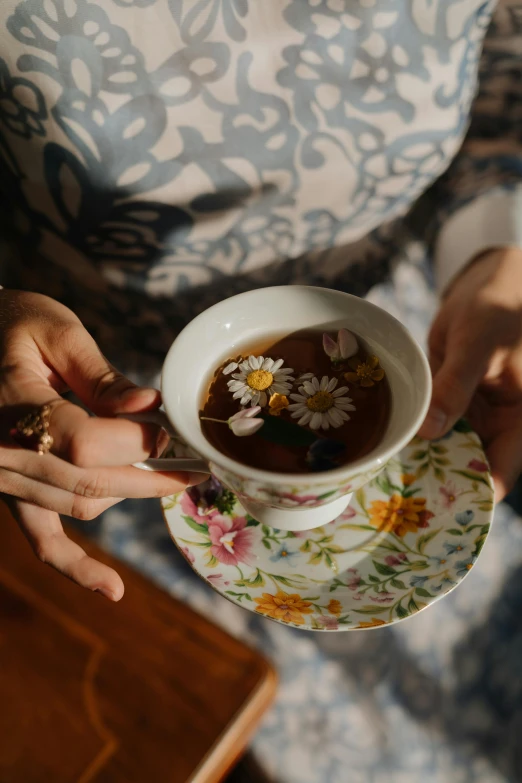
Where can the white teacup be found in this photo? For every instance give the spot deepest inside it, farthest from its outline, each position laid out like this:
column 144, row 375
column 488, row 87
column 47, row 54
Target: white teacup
column 289, row 501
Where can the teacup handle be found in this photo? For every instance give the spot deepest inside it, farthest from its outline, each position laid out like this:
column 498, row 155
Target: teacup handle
column 170, row 463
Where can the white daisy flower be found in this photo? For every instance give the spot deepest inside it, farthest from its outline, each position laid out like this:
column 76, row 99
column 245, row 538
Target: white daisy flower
column 257, row 379
column 320, row 405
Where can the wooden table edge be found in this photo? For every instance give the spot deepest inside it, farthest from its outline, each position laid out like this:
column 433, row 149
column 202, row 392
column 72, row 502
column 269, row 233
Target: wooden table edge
column 232, row 743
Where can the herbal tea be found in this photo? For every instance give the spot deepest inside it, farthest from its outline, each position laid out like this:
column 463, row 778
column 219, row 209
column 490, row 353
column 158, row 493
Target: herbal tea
column 308, row 402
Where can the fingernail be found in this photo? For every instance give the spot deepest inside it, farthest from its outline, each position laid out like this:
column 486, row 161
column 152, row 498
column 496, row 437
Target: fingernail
column 105, row 593
column 436, row 421
column 197, row 478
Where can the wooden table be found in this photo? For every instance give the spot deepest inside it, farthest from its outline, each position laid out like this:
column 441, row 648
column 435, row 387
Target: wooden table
column 144, row 691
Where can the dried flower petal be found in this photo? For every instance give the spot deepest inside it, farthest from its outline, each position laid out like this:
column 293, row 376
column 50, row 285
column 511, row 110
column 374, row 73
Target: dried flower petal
column 331, row 348
column 230, row 368
column 244, row 422
column 367, row 373
column 278, row 403
column 342, row 349
column 246, row 413
column 347, row 344
column 243, row 427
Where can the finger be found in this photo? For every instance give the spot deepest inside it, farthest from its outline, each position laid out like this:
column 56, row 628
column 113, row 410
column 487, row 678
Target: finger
column 53, row 498
column 124, row 482
column 77, row 437
column 45, row 533
column 92, row 378
column 436, row 361
column 454, row 385
column 505, row 458
column 436, row 344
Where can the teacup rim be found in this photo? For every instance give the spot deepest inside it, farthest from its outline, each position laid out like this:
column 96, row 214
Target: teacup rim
column 335, row 476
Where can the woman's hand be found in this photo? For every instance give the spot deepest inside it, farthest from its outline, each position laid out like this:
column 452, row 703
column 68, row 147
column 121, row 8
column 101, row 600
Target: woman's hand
column 44, row 350
column 476, row 357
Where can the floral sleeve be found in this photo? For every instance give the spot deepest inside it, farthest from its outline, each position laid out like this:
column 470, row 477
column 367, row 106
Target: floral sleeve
column 479, row 199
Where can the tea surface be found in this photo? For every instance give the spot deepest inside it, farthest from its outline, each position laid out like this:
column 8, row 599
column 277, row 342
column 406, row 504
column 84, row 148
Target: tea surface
column 304, row 352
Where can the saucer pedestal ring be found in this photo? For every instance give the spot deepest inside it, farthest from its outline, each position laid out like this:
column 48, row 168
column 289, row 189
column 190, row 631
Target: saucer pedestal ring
column 300, row 517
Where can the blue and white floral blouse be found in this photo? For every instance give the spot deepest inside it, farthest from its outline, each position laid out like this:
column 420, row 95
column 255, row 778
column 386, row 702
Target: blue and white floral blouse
column 158, row 155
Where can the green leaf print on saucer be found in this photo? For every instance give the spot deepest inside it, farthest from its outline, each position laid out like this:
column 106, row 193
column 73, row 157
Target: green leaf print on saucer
column 407, row 539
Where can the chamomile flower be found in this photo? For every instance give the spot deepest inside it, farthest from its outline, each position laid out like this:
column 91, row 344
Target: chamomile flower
column 320, row 405
column 257, row 379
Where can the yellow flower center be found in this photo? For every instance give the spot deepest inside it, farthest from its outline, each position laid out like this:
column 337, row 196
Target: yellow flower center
column 260, row 379
column 468, row 566
column 321, row 402
column 284, row 554
column 364, row 371
column 442, row 562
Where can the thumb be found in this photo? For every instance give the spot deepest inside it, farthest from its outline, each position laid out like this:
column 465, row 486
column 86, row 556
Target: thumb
column 86, row 371
column 505, row 458
column 454, row 385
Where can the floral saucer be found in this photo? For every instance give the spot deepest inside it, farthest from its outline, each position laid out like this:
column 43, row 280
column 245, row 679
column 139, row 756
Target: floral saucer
column 408, row 538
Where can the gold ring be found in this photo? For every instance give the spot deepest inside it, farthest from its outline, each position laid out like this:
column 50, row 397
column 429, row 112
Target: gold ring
column 32, row 431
